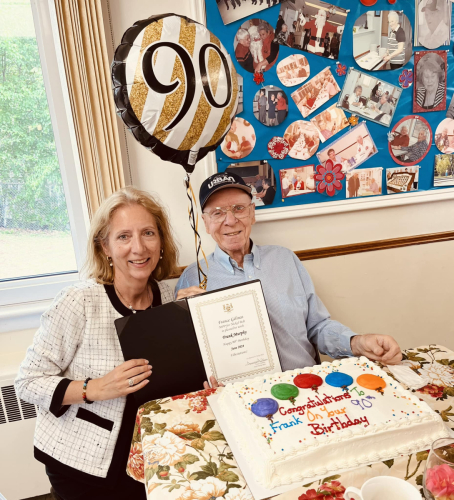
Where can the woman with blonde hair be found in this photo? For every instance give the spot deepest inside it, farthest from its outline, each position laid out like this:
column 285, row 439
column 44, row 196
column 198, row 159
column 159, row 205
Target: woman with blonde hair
column 75, row 371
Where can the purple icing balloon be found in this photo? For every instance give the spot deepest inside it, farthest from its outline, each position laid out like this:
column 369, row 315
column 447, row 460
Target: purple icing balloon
column 264, row 407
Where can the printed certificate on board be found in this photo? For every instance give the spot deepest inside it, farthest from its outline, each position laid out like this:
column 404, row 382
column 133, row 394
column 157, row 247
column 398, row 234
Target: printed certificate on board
column 234, row 333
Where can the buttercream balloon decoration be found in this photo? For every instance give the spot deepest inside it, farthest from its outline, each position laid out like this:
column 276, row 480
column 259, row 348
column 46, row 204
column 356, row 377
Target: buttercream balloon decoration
column 339, row 379
column 285, row 392
column 308, row 381
column 265, row 407
column 175, row 87
column 278, row 148
column 372, row 382
column 328, row 178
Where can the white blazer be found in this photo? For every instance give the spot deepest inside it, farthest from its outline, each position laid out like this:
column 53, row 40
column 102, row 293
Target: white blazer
column 77, row 339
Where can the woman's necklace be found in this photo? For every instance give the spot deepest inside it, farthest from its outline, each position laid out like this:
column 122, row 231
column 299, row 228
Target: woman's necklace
column 125, row 301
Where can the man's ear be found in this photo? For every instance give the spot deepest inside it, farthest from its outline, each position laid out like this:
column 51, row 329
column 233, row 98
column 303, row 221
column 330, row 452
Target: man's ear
column 253, row 214
column 205, row 218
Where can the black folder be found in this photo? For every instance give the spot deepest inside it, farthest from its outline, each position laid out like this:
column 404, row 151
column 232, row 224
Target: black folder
column 165, row 336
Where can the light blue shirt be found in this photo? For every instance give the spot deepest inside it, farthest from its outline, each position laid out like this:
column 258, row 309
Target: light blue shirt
column 298, row 317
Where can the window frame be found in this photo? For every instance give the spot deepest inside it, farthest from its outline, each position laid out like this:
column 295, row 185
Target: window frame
column 23, row 300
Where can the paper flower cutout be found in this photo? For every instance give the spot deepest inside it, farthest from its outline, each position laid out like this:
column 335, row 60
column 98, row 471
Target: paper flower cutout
column 341, row 69
column 258, row 77
column 406, row 78
column 328, row 178
column 353, row 120
column 278, row 148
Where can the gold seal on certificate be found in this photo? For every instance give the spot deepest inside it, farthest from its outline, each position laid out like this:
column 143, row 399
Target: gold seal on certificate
column 234, row 332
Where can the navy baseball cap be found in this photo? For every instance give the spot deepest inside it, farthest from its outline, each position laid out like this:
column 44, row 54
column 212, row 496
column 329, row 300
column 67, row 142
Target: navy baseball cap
column 220, row 181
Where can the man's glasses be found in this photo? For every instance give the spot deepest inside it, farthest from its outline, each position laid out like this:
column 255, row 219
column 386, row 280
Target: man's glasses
column 219, row 214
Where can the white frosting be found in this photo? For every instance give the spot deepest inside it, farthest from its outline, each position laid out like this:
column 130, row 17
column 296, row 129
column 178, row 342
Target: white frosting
column 382, row 426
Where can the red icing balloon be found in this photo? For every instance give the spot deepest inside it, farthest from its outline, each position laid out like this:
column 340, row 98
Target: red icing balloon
column 307, row 381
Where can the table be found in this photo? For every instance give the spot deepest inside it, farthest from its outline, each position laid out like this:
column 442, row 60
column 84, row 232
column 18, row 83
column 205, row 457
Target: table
column 370, row 61
column 178, row 449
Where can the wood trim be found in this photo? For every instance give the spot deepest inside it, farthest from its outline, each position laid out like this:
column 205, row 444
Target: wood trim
column 371, row 246
column 368, row 246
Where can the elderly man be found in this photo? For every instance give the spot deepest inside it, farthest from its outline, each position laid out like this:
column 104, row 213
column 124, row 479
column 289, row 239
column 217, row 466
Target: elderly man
column 417, row 150
column 364, row 148
column 354, row 99
column 401, row 138
column 301, row 324
column 384, row 108
column 433, row 28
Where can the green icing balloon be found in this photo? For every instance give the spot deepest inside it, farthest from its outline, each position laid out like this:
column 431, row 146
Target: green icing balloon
column 284, row 391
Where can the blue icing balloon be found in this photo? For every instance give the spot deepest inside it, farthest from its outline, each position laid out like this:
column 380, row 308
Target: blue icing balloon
column 338, row 379
column 264, row 407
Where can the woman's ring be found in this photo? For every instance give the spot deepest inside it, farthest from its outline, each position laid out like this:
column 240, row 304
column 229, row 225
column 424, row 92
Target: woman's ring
column 131, row 382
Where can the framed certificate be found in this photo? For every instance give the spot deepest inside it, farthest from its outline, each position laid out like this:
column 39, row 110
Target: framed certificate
column 234, row 332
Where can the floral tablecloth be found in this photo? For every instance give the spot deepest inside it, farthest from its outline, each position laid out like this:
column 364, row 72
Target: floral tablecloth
column 180, row 453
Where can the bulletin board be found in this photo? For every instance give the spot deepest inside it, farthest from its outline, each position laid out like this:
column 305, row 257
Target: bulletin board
column 378, row 132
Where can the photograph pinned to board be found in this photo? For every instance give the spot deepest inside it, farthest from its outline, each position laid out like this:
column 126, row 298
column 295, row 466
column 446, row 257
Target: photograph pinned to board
column 432, row 23
column 364, row 182
column 369, row 97
column 312, row 26
column 382, row 40
column 402, row 179
column 430, row 77
column 232, row 10
column 298, row 180
column 255, row 47
column 329, row 122
column 444, row 136
column 351, row 149
column 270, row 106
column 239, row 140
column 313, row 94
column 410, row 140
column 259, row 176
column 303, row 139
column 450, row 110
column 293, row 70
column 444, row 170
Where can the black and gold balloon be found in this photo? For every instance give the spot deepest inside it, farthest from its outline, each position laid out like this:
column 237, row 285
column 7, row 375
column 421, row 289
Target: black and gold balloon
column 175, row 87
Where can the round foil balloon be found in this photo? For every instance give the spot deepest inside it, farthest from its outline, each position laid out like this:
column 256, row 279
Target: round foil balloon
column 175, row 87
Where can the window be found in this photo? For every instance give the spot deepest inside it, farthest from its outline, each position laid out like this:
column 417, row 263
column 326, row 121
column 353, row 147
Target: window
column 43, row 216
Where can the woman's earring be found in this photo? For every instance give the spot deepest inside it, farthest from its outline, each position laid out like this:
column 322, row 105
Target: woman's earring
column 109, row 260
column 162, row 251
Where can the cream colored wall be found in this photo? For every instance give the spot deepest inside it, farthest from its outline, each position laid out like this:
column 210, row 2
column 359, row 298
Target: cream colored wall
column 405, row 292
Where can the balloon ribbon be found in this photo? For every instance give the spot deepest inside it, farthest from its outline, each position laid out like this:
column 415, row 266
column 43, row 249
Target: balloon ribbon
column 194, row 221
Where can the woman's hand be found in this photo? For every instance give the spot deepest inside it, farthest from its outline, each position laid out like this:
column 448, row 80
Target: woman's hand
column 116, row 383
column 189, row 292
column 214, row 384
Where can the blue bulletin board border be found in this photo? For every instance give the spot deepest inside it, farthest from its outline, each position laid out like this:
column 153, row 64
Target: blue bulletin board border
column 289, row 206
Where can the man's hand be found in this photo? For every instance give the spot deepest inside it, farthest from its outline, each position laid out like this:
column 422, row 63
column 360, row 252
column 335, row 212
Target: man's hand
column 381, row 348
column 213, row 382
column 189, row 292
